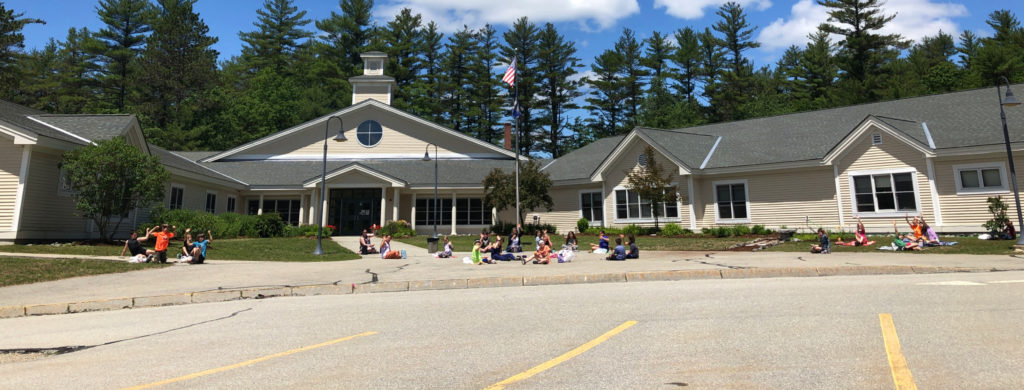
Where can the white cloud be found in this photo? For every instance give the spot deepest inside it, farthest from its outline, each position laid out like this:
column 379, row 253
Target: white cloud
column 694, row 9
column 914, row 20
column 451, row 15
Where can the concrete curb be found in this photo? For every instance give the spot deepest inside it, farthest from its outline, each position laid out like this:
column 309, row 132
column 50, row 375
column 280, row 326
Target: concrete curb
column 450, row 284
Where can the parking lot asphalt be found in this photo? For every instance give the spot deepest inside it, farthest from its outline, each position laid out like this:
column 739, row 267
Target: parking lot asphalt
column 222, row 280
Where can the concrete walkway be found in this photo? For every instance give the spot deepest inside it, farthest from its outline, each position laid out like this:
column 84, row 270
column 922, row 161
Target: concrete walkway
column 220, row 280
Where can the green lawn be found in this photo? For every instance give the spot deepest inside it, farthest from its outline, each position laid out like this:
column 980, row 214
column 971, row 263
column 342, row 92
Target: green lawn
column 26, row 271
column 260, row 249
column 967, row 245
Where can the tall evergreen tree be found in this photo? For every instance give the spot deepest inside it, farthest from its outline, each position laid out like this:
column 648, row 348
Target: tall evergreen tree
column 427, row 86
column 12, row 42
column 864, row 55
column 521, row 41
column 633, row 75
column 486, row 87
column 712, row 57
column 1002, row 55
column 456, row 81
column 178, row 66
column 557, row 90
column 126, row 23
column 687, row 58
column 40, row 83
column 77, row 70
column 658, row 55
column 344, row 36
column 277, row 39
column 401, row 38
column 608, row 94
column 736, row 84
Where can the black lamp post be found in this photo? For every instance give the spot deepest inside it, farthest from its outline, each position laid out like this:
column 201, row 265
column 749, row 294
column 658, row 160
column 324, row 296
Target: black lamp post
column 323, row 182
column 1010, row 101
column 426, row 157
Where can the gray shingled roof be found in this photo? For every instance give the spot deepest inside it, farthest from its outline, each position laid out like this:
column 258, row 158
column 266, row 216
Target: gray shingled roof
column 91, row 127
column 958, row 119
column 412, row 172
column 687, row 147
column 174, row 159
column 580, row 163
column 17, row 115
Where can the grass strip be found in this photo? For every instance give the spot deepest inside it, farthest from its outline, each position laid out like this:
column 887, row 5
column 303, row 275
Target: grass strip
column 257, row 249
column 26, row 271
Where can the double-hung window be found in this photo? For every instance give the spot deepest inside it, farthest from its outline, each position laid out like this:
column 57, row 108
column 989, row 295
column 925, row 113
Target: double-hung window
column 426, row 214
column 177, row 198
column 884, row 192
column 630, row 206
column 980, row 178
column 591, row 206
column 471, row 211
column 731, row 205
column 231, row 204
column 211, row 202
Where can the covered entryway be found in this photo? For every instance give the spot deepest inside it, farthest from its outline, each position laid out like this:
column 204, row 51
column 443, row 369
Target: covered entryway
column 353, row 209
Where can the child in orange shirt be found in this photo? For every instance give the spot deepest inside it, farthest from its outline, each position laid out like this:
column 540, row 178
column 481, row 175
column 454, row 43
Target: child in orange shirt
column 163, row 239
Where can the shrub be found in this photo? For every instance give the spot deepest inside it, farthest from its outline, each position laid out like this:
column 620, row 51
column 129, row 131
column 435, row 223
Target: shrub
column 269, row 225
column 231, row 225
column 503, row 228
column 398, row 228
column 199, row 221
column 582, row 225
column 998, row 210
column 760, row 230
column 671, row 229
column 740, row 230
column 307, row 231
column 530, row 228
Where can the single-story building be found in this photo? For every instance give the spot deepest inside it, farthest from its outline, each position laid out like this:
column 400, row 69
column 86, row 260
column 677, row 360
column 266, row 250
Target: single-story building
column 939, row 156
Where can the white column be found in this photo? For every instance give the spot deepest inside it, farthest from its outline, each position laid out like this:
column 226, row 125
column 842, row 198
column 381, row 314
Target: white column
column 302, row 209
column 19, row 199
column 323, row 203
column 259, row 210
column 394, row 209
column 453, row 213
column 839, row 197
column 412, row 215
column 383, row 204
column 936, row 210
column 689, row 202
column 604, row 206
column 494, row 214
column 312, row 207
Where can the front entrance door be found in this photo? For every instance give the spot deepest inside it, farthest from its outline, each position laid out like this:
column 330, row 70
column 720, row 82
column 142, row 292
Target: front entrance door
column 353, row 209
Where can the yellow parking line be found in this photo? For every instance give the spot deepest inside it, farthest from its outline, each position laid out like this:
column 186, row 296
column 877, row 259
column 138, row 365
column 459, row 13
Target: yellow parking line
column 897, row 363
column 247, row 362
column 566, row 356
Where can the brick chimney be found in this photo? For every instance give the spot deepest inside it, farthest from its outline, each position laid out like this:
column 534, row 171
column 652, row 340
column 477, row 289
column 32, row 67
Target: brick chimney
column 508, row 136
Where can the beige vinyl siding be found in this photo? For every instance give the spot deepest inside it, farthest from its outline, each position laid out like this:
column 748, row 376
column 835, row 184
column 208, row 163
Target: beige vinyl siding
column 966, row 212
column 10, row 168
column 615, row 176
column 377, row 92
column 566, row 210
column 891, row 154
column 399, row 135
column 45, row 214
column 195, row 195
column 776, row 198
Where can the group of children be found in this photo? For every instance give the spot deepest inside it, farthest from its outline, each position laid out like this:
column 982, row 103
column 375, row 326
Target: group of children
column 624, row 248
column 192, row 251
column 922, row 235
column 366, row 246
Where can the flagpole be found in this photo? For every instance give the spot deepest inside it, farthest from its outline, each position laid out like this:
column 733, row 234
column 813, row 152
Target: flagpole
column 515, row 106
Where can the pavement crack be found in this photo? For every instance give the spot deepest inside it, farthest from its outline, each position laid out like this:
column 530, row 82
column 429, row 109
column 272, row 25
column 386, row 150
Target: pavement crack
column 716, row 264
column 49, row 351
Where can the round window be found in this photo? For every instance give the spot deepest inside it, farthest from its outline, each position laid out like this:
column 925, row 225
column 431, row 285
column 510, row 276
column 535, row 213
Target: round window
column 642, row 160
column 369, row 133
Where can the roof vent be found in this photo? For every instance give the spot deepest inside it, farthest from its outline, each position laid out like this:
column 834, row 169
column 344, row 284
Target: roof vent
column 876, row 139
column 642, row 160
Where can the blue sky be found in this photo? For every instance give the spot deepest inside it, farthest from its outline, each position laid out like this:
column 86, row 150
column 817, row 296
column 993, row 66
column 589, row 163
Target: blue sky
column 594, row 25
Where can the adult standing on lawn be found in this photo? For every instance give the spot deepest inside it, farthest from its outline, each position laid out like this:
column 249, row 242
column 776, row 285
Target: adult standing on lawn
column 134, row 246
column 163, row 238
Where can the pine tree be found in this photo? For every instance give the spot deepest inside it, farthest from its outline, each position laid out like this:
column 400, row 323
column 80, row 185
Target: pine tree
column 864, row 55
column 486, row 88
column 177, row 67
column 126, row 23
column 76, row 70
column 737, row 81
column 1002, row 55
column 12, row 42
column 658, row 55
column 344, row 36
column 521, row 41
column 712, row 57
column 557, row 91
column 608, row 94
column 456, row 81
column 687, row 57
column 633, row 75
column 426, row 89
column 401, row 38
column 41, row 82
column 814, row 73
column 277, row 39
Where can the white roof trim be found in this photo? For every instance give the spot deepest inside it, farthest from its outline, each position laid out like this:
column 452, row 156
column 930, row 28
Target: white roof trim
column 207, row 168
column 32, row 117
column 20, row 137
column 344, row 111
column 871, row 122
column 928, row 135
column 625, row 142
column 548, row 164
column 394, row 181
column 710, row 152
column 360, row 157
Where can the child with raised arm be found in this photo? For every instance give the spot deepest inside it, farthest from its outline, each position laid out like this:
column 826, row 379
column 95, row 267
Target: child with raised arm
column 133, row 245
column 199, row 248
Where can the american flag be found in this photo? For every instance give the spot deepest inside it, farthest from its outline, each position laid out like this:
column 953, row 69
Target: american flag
column 510, row 73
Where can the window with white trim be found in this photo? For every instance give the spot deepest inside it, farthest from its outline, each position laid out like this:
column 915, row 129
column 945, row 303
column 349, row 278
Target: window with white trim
column 177, row 198
column 211, row 202
column 64, row 186
column 288, row 209
column 369, row 133
column 980, row 178
column 426, row 215
column 231, row 204
column 592, row 206
column 471, row 211
column 885, row 192
column 731, row 202
column 629, row 205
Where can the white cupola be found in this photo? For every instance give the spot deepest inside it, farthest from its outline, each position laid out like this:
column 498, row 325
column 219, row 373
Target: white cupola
column 373, row 84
